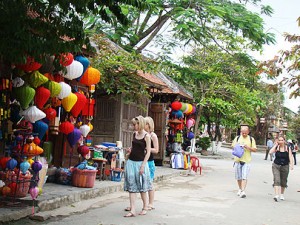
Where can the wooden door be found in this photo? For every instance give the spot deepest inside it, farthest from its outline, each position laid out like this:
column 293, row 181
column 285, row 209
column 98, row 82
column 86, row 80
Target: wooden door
column 158, row 113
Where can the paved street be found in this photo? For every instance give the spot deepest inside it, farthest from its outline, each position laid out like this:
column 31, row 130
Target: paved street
column 189, row 200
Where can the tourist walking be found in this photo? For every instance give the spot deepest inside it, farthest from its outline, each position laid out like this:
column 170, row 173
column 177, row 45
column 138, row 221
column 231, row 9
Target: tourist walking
column 282, row 163
column 137, row 175
column 269, row 146
column 242, row 164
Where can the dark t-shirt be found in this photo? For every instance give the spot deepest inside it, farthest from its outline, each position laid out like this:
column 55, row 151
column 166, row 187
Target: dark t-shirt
column 282, row 158
column 138, row 149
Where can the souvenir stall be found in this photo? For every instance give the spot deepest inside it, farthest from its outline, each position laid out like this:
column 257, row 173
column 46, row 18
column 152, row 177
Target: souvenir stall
column 180, row 134
column 37, row 105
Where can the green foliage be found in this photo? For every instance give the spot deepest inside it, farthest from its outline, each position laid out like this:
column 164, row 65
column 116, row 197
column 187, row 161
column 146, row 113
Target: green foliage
column 203, row 142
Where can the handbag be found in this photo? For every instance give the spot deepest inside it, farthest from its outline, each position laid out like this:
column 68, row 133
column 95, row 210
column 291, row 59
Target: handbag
column 238, row 150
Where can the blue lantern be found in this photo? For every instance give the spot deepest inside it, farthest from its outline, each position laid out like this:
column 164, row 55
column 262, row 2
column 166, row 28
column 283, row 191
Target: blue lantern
column 41, row 128
column 74, row 136
column 24, row 166
column 85, row 63
column 11, row 164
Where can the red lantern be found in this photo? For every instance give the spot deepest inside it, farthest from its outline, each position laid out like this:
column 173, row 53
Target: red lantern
column 3, row 161
column 58, row 78
column 66, row 127
column 81, row 101
column 41, row 97
column 89, row 108
column 50, row 113
column 176, row 105
column 83, row 150
column 91, row 76
column 66, row 59
column 30, row 65
column 36, row 140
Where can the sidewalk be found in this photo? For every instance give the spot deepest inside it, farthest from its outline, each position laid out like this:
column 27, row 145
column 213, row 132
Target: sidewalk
column 56, row 195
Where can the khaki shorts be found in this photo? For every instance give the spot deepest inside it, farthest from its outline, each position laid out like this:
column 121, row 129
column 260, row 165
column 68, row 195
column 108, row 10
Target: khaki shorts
column 280, row 175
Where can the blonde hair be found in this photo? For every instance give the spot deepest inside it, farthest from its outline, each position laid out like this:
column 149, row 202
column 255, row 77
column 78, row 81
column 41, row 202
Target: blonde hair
column 139, row 120
column 150, row 122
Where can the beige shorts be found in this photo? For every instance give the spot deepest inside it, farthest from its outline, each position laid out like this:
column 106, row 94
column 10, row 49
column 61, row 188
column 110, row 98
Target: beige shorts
column 280, row 175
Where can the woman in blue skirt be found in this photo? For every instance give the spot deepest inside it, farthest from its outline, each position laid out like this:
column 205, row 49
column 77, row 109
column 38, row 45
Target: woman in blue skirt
column 137, row 175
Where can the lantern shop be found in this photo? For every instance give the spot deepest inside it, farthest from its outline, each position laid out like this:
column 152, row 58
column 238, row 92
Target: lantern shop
column 42, row 109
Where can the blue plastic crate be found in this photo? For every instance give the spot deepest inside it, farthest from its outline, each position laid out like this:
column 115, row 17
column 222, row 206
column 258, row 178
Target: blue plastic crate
column 116, row 175
column 109, row 144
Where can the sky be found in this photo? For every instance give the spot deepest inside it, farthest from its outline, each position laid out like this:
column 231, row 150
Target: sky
column 284, row 19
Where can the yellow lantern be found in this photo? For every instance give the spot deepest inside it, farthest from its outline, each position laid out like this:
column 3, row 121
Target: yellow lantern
column 30, row 160
column 69, row 102
column 91, row 126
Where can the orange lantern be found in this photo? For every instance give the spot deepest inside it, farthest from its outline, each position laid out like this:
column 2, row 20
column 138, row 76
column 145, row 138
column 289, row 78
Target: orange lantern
column 91, row 76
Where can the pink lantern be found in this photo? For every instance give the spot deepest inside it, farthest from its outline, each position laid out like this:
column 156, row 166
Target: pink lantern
column 34, row 192
column 33, row 114
column 190, row 123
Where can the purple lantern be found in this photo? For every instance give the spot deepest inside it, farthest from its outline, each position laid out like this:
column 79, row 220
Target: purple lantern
column 190, row 135
column 74, row 136
column 36, row 166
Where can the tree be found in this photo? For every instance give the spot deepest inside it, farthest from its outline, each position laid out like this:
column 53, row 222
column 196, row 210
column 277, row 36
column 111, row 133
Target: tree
column 188, row 21
column 39, row 28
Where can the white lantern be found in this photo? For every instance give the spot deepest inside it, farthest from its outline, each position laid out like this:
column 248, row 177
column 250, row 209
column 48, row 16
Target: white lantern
column 65, row 90
column 17, row 82
column 74, row 70
column 33, row 114
column 85, row 129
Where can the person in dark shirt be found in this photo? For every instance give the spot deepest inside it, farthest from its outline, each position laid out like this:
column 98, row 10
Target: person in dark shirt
column 282, row 163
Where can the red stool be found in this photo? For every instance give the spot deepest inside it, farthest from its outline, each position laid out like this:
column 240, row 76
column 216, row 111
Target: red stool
column 195, row 164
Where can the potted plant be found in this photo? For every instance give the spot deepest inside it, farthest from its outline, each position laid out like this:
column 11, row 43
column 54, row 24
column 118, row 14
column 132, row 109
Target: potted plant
column 204, row 143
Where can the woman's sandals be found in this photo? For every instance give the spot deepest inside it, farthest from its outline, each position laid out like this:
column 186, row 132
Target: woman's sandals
column 130, row 214
column 143, row 212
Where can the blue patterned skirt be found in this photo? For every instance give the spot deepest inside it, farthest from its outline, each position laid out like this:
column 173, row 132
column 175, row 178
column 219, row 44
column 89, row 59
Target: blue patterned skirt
column 134, row 182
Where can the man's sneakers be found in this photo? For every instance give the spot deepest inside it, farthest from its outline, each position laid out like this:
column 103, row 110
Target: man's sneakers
column 243, row 195
column 276, row 198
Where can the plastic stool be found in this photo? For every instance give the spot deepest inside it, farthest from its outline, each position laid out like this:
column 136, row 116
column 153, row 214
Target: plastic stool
column 116, row 175
column 195, row 164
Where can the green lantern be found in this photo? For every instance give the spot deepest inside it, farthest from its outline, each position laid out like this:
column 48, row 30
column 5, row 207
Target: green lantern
column 54, row 87
column 36, row 79
column 24, row 95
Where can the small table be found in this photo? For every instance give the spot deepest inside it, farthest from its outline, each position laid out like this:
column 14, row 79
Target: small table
column 100, row 168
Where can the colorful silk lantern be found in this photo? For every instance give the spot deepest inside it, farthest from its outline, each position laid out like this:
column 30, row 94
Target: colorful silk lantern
column 66, row 127
column 24, row 95
column 36, row 79
column 85, row 129
column 89, row 108
column 36, row 140
column 30, row 160
column 3, row 161
column 11, row 164
column 74, row 70
column 17, row 82
column 33, row 114
column 80, row 103
column 83, row 150
column 41, row 128
column 179, row 114
column 54, row 88
column 58, row 78
column 84, row 61
column 50, row 113
column 190, row 135
column 36, row 166
column 91, row 126
column 176, row 105
column 41, row 97
column 74, row 137
column 189, row 123
column 34, row 191
column 24, row 166
column 183, row 107
column 190, row 109
column 66, row 59
column 25, row 125
column 194, row 109
column 90, row 76
column 65, row 90
column 69, row 102
column 30, row 65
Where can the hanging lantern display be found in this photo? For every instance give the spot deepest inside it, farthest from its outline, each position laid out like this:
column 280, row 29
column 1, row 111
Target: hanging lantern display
column 66, row 59
column 178, row 114
column 54, row 88
column 74, row 137
column 17, row 82
column 24, row 166
column 41, row 128
column 190, row 122
column 90, row 76
column 66, row 127
column 85, row 129
column 41, row 97
column 176, row 105
column 24, row 95
column 89, row 108
column 58, row 78
column 50, row 113
column 74, row 70
column 69, row 102
column 83, row 150
column 3, row 161
column 183, row 107
column 30, row 65
column 80, row 103
column 33, row 114
column 36, row 166
column 65, row 90
column 189, row 109
column 84, row 61
column 36, row 79
column 194, row 109
column 34, row 191
column 11, row 164
column 25, row 125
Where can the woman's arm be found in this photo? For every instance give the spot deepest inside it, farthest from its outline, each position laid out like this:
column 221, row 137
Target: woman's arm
column 147, row 155
column 291, row 158
column 155, row 143
column 273, row 149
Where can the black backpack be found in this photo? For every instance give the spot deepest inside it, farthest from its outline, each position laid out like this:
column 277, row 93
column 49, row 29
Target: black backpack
column 238, row 137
